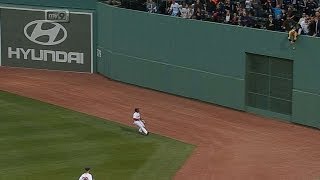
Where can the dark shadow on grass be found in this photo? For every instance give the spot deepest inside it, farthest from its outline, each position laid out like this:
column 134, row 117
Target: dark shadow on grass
column 128, row 129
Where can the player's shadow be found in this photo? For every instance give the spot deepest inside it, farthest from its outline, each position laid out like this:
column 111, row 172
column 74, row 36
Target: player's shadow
column 128, row 129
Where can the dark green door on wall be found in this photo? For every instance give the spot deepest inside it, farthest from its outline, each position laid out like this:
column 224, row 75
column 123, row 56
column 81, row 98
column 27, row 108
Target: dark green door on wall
column 269, row 84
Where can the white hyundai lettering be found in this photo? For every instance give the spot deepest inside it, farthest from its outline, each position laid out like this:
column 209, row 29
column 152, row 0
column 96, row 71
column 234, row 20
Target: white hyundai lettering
column 12, row 52
column 45, row 55
column 33, row 56
column 51, row 33
column 61, row 56
column 25, row 53
column 56, row 34
column 72, row 56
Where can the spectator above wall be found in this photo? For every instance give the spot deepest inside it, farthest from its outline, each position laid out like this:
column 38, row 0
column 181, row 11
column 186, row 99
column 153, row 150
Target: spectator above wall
column 274, row 15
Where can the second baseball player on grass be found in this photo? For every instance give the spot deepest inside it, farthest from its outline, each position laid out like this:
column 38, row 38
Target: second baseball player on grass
column 139, row 122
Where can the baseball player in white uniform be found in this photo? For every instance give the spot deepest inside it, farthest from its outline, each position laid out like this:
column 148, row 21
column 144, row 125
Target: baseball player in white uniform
column 139, row 122
column 86, row 175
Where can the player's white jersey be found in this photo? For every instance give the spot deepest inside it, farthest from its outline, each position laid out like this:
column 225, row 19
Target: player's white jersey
column 86, row 176
column 136, row 115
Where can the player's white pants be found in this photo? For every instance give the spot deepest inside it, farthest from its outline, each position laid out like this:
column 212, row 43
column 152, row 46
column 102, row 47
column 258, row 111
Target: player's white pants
column 141, row 126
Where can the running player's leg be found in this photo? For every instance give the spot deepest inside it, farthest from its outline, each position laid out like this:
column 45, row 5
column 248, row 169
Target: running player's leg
column 137, row 123
column 142, row 126
column 142, row 123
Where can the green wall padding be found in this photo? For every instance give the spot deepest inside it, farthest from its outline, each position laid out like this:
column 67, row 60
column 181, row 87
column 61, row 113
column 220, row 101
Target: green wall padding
column 196, row 59
column 74, row 4
column 306, row 108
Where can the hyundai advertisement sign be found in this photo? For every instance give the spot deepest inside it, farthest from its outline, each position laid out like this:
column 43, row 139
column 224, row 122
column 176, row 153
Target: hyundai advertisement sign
column 29, row 40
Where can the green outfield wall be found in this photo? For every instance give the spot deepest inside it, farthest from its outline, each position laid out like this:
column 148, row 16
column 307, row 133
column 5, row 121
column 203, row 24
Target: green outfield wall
column 74, row 4
column 209, row 62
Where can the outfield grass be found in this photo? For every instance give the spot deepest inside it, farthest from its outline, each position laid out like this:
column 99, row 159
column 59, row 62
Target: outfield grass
column 39, row 141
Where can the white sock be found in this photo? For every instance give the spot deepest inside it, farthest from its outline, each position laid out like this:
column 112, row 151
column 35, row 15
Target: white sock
column 144, row 130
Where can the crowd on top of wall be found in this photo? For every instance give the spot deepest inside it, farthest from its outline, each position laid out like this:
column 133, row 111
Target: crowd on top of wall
column 274, row 15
